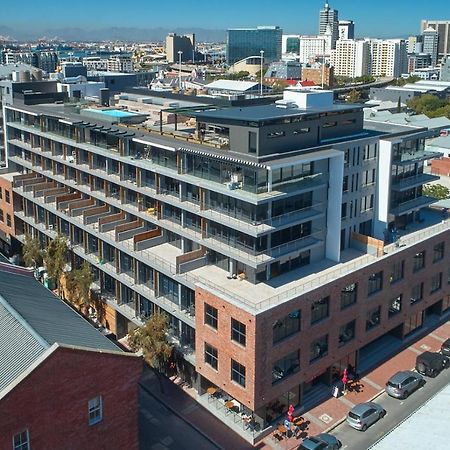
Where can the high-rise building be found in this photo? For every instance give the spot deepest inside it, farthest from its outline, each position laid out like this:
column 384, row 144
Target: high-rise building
column 47, row 61
column 290, row 44
column 351, row 58
column 443, row 29
column 244, row 42
column 415, row 44
column 313, row 47
column 388, row 57
column 346, row 29
column 430, row 39
column 329, row 17
column 184, row 44
column 268, row 237
column 418, row 61
column 445, row 69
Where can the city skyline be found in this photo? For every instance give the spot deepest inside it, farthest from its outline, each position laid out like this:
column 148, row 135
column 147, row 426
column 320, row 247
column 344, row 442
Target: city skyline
column 117, row 23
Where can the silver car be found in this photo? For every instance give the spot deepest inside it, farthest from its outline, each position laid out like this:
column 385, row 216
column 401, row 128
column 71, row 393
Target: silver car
column 363, row 415
column 403, row 383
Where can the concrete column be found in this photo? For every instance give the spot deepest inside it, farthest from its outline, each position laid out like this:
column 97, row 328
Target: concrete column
column 269, row 180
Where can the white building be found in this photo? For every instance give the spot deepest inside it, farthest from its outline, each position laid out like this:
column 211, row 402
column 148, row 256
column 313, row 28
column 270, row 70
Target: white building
column 388, row 57
column 313, row 46
column 95, row 63
column 120, row 63
column 350, row 58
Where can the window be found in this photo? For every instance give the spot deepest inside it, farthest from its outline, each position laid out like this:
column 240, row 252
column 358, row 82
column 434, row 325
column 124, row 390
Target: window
column 211, row 316
column 344, row 210
column 417, row 293
column 302, row 130
column 211, row 356
column 21, row 441
column 349, row 295
column 252, row 139
column 373, row 318
column 7, row 197
column 436, row 282
column 320, row 310
column 286, row 366
column 238, row 373
column 366, row 203
column 375, row 282
column 345, row 184
column 395, row 306
column 438, row 252
column 286, row 326
column 238, row 330
column 276, row 134
column 8, row 220
column 347, row 333
column 396, row 271
column 2, row 217
column 419, row 261
column 95, row 409
column 329, row 124
column 1, row 193
column 319, row 348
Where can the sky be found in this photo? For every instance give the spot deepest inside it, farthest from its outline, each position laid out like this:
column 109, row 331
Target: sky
column 372, row 18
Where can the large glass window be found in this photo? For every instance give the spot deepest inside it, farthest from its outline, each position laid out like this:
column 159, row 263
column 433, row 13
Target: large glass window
column 375, row 282
column 211, row 315
column 21, row 441
column 349, row 295
column 318, row 348
column 238, row 332
column 320, row 310
column 417, row 293
column 286, row 366
column 436, row 282
column 397, row 270
column 373, row 318
column 286, row 326
column 347, row 333
column 169, row 288
column 211, row 356
column 438, row 252
column 238, row 373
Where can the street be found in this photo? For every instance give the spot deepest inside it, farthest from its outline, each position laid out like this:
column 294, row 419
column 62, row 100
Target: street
column 396, row 412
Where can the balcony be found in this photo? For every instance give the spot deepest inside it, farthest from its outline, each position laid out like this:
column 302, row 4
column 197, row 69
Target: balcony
column 414, row 157
column 412, row 205
column 417, row 180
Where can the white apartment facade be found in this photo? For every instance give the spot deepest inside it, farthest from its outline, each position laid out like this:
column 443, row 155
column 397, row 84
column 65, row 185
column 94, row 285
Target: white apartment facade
column 387, row 57
column 313, row 46
column 350, row 58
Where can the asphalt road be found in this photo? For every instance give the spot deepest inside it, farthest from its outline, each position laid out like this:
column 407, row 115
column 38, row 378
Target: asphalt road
column 397, row 411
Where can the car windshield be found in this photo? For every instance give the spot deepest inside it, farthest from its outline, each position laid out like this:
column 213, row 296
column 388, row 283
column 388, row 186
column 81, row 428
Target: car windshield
column 394, row 385
column 353, row 415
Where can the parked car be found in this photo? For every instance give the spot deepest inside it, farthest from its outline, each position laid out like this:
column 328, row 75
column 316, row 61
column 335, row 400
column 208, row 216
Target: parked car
column 363, row 415
column 445, row 348
column 403, row 383
column 430, row 364
column 322, row 441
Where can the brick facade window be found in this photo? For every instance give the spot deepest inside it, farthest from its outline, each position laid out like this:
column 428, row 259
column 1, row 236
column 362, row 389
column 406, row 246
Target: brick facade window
column 95, row 410
column 211, row 315
column 417, row 293
column 373, row 318
column 375, row 282
column 286, row 326
column 397, row 271
column 438, row 251
column 238, row 332
column 436, row 282
column 211, row 356
column 238, row 373
column 2, row 217
column 320, row 310
column 349, row 295
column 8, row 220
column 395, row 306
column 21, row 441
column 318, row 348
column 419, row 261
column 286, row 366
column 347, row 333
column 7, row 196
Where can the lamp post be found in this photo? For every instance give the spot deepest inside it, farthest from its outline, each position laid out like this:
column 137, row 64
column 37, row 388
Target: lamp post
column 179, row 68
column 261, row 52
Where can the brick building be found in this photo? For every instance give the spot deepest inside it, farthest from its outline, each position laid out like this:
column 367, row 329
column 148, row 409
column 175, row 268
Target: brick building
column 269, row 236
column 62, row 384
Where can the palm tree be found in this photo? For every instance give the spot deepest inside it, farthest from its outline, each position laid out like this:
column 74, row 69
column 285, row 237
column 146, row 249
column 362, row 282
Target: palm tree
column 31, row 251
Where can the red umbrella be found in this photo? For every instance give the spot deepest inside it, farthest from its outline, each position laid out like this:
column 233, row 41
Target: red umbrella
column 291, row 409
column 345, row 377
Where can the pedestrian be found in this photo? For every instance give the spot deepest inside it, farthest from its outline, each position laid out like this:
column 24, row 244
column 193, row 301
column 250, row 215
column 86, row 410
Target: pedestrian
column 345, row 380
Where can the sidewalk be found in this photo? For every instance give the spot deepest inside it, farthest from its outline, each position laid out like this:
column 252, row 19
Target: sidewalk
column 323, row 418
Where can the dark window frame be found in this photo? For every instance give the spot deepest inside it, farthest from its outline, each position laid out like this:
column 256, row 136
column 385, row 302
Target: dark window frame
column 211, row 356
column 238, row 332
column 238, row 373
column 211, row 316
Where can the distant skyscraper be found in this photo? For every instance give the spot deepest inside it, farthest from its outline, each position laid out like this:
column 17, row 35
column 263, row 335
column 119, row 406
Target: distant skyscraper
column 290, row 44
column 329, row 16
column 430, row 39
column 445, row 69
column 443, row 29
column 346, row 29
column 244, row 42
column 415, row 44
column 184, row 44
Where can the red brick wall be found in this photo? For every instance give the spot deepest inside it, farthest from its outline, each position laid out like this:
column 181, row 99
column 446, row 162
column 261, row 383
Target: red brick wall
column 7, row 208
column 52, row 402
column 441, row 166
column 227, row 349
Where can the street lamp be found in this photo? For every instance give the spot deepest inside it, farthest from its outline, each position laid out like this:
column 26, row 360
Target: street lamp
column 261, row 52
column 179, row 68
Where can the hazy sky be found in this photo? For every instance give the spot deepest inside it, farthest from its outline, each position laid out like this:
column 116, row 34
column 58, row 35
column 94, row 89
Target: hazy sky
column 372, row 17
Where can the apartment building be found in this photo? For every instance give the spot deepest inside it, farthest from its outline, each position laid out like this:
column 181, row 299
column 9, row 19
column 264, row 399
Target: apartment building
column 268, row 235
column 350, row 58
column 313, row 47
column 388, row 57
column 443, row 29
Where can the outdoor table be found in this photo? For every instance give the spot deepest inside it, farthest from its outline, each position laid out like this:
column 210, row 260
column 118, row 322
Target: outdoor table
column 229, row 404
column 282, row 429
column 211, row 390
column 298, row 420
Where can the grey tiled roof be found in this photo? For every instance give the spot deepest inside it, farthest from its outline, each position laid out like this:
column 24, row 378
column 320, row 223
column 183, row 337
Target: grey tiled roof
column 32, row 319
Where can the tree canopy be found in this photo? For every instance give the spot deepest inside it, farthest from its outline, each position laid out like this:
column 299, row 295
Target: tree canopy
column 79, row 285
column 430, row 105
column 436, row 191
column 55, row 257
column 31, row 251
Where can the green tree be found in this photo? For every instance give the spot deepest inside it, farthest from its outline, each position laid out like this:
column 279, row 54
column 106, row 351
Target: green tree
column 152, row 340
column 436, row 191
column 31, row 251
column 56, row 257
column 79, row 285
column 353, row 96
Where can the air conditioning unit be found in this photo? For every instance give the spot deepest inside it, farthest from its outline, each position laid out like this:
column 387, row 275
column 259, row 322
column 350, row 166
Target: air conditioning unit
column 70, row 159
column 50, row 227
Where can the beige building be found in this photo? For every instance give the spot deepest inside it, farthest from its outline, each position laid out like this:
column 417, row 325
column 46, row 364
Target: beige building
column 350, row 58
column 184, row 44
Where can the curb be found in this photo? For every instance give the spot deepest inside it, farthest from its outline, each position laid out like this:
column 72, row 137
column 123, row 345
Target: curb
column 178, row 414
